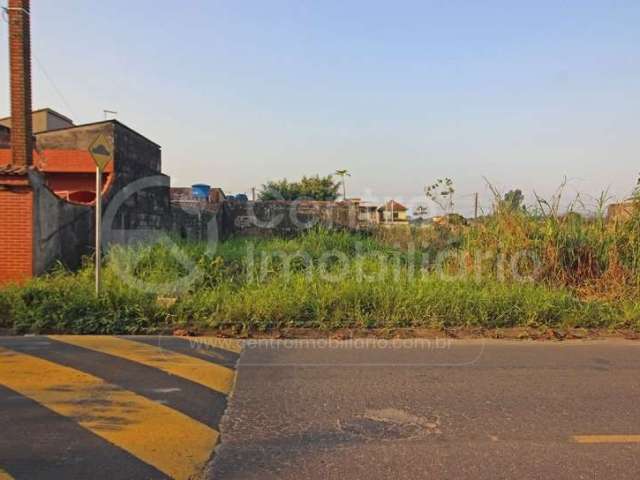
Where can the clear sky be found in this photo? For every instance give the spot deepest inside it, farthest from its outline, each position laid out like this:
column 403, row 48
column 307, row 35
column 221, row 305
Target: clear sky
column 397, row 92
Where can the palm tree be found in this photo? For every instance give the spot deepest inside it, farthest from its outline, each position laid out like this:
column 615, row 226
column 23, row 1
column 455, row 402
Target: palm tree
column 342, row 174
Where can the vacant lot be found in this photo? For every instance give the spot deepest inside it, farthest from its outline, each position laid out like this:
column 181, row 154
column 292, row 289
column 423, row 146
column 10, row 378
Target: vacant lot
column 507, row 270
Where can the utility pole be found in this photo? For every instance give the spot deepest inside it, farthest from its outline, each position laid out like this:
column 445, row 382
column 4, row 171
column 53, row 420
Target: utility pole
column 102, row 153
column 475, row 205
column 253, row 194
column 98, row 229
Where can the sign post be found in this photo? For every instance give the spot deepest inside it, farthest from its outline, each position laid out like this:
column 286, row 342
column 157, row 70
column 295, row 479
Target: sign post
column 100, row 150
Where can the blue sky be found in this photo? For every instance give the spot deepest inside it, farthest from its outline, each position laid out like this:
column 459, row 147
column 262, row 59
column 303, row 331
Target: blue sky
column 399, row 93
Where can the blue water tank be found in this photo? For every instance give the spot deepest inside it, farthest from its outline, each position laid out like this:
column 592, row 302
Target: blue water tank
column 200, row 191
column 241, row 197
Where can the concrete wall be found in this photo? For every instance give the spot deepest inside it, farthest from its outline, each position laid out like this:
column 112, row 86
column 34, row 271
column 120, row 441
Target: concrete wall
column 62, row 231
column 136, row 198
column 214, row 222
column 135, row 154
column 140, row 190
column 285, row 218
column 76, row 138
column 197, row 222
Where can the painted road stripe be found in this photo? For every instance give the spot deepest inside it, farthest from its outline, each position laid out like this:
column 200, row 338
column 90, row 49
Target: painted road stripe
column 205, row 373
column 38, row 444
column 192, row 399
column 158, row 435
column 606, row 438
column 211, row 352
column 4, row 475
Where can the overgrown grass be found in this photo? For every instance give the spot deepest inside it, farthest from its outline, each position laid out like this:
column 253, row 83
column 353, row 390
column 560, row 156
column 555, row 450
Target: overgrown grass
column 332, row 279
column 591, row 257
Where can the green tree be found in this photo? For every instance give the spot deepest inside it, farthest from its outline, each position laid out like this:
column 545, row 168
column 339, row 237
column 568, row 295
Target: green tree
column 514, row 200
column 312, row 188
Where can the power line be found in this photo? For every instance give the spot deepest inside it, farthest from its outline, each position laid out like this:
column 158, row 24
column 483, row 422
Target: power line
column 53, row 84
column 5, row 11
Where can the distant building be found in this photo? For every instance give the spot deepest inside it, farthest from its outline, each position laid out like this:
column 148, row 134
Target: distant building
column 390, row 212
column 43, row 120
column 368, row 214
column 393, row 212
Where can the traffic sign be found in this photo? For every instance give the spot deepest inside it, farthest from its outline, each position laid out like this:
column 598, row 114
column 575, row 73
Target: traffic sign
column 101, row 151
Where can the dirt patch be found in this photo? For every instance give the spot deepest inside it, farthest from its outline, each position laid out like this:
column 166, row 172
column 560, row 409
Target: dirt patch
column 519, row 333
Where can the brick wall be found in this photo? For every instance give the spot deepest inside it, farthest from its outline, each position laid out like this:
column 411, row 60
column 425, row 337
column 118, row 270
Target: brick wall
column 16, row 234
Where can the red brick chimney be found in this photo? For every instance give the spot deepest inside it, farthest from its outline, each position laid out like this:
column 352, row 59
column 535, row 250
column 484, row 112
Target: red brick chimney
column 20, row 73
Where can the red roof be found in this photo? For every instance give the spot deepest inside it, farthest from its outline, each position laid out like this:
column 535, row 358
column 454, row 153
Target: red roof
column 393, row 205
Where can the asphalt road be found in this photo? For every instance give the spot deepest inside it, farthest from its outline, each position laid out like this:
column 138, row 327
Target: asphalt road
column 468, row 410
column 155, row 408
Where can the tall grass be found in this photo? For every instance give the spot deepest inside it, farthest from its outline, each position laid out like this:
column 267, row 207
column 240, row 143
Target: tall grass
column 589, row 256
column 333, row 279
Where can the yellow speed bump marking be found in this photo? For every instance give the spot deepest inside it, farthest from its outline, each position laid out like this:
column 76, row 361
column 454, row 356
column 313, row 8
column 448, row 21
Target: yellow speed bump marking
column 168, row 440
column 606, row 438
column 211, row 375
column 4, row 475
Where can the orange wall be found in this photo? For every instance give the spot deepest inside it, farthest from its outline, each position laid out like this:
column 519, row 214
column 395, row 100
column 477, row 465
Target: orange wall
column 61, row 161
column 66, row 171
column 16, row 233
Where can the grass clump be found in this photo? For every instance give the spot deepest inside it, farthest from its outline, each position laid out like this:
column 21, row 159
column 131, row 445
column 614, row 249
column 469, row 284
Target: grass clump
column 334, row 279
column 65, row 302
